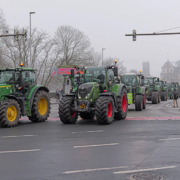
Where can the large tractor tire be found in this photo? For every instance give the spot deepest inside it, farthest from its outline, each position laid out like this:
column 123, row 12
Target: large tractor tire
column 122, row 104
column 154, row 97
column 40, row 107
column 10, row 113
column 66, row 114
column 144, row 102
column 104, row 110
column 84, row 115
column 159, row 97
column 138, row 103
column 164, row 96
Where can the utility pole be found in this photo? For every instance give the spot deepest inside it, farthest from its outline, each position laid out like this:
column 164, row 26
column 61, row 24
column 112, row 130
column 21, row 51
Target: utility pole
column 30, row 38
column 134, row 34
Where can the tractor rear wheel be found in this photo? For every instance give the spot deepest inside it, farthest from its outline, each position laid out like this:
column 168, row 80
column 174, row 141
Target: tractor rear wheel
column 66, row 114
column 138, row 103
column 40, row 107
column 10, row 113
column 144, row 102
column 84, row 115
column 122, row 105
column 154, row 97
column 104, row 110
column 159, row 97
column 163, row 96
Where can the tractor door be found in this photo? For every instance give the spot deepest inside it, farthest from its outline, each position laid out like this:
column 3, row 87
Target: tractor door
column 28, row 82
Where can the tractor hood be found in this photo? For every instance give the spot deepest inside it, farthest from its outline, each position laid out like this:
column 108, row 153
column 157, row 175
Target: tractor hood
column 5, row 89
column 86, row 88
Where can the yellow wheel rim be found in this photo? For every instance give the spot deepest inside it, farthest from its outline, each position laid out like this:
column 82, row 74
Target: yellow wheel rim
column 42, row 106
column 11, row 113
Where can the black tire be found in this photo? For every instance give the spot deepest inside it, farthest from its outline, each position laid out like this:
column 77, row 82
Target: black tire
column 38, row 116
column 163, row 96
column 166, row 96
column 6, row 119
column 144, row 102
column 122, row 104
column 104, row 110
column 66, row 115
column 154, row 97
column 138, row 103
column 84, row 115
column 159, row 97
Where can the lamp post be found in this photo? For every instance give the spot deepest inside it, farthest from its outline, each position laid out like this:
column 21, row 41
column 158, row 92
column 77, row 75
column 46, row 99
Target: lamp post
column 102, row 55
column 30, row 38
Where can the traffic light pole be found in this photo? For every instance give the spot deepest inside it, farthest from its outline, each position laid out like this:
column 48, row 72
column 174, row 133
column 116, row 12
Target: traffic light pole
column 149, row 34
column 5, row 35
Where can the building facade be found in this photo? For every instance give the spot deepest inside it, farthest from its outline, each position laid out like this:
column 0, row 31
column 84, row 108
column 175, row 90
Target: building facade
column 146, row 69
column 170, row 72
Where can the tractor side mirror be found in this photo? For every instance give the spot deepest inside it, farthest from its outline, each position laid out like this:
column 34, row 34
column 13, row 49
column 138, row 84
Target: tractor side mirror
column 67, row 83
column 72, row 73
column 157, row 79
column 115, row 71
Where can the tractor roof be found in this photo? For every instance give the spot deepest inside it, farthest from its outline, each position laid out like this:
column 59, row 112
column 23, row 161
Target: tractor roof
column 13, row 69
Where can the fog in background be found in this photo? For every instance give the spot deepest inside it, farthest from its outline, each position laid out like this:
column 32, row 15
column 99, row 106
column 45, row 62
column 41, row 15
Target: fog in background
column 106, row 22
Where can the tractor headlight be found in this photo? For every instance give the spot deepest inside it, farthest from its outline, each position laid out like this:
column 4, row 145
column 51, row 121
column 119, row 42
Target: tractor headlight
column 87, row 96
column 79, row 96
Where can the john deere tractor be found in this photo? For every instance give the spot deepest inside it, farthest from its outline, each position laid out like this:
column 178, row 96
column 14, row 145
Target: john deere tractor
column 153, row 91
column 163, row 90
column 136, row 93
column 21, row 96
column 100, row 94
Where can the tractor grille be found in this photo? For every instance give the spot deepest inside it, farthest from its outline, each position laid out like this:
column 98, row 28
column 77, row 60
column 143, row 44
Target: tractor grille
column 84, row 89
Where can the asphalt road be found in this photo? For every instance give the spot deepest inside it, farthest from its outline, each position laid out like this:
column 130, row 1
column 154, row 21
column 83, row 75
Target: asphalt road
column 143, row 147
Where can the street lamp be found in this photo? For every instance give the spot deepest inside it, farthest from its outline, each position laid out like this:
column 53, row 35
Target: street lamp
column 30, row 38
column 102, row 55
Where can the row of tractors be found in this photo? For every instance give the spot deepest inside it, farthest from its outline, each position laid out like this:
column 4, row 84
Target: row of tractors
column 97, row 92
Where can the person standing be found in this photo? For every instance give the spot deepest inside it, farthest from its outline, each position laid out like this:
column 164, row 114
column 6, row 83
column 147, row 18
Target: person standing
column 62, row 92
column 175, row 98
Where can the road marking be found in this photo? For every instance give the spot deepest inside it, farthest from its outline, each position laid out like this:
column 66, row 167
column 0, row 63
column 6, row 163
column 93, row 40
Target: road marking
column 77, row 132
column 152, row 106
column 91, row 170
column 98, row 131
column 18, row 136
column 18, row 151
column 95, row 131
column 170, row 139
column 142, row 170
column 97, row 145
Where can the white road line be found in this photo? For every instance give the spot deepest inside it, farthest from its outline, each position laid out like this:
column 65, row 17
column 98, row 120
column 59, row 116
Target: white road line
column 170, row 139
column 152, row 106
column 91, row 170
column 18, row 136
column 88, row 132
column 142, row 170
column 97, row 145
column 18, row 151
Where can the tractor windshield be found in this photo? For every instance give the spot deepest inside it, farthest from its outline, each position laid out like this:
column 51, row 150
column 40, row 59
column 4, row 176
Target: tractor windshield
column 148, row 81
column 95, row 74
column 129, row 80
column 9, row 77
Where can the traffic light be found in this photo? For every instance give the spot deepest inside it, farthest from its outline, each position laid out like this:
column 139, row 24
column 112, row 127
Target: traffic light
column 25, row 34
column 16, row 36
column 134, row 35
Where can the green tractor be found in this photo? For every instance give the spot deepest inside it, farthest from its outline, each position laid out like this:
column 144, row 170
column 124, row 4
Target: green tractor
column 153, row 91
column 21, row 96
column 177, row 87
column 163, row 90
column 100, row 94
column 170, row 90
column 136, row 93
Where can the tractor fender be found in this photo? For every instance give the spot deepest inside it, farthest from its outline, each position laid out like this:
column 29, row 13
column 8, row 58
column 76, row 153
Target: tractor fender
column 21, row 102
column 120, row 89
column 38, row 88
column 70, row 95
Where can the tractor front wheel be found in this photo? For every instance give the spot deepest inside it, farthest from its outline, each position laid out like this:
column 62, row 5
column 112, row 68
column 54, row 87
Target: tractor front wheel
column 122, row 104
column 40, row 107
column 144, row 102
column 10, row 112
column 66, row 113
column 104, row 110
column 154, row 97
column 138, row 102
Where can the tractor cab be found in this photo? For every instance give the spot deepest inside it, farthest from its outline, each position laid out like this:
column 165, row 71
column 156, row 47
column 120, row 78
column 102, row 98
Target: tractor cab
column 19, row 81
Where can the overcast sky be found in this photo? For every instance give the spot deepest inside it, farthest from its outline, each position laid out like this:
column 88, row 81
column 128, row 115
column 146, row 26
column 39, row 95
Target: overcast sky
column 106, row 22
